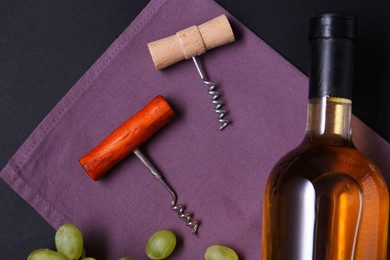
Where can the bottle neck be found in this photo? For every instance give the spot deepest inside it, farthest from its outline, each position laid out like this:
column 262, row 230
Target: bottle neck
column 329, row 119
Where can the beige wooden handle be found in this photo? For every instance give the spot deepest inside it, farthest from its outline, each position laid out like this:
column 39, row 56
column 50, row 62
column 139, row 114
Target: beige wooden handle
column 190, row 42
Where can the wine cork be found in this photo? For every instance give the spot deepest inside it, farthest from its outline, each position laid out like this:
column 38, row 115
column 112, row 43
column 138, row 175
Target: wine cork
column 127, row 137
column 190, row 42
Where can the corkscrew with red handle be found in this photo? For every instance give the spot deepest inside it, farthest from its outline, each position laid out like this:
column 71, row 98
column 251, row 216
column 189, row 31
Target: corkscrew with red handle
column 126, row 139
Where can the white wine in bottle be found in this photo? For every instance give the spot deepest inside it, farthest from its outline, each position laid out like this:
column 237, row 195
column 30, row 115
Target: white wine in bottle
column 325, row 199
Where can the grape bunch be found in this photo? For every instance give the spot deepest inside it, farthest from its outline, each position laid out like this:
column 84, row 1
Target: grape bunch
column 70, row 246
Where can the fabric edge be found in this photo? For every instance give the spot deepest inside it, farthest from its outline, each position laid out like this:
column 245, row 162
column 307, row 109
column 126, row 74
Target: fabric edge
column 10, row 172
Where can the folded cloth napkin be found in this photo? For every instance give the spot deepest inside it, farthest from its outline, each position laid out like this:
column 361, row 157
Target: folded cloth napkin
column 219, row 176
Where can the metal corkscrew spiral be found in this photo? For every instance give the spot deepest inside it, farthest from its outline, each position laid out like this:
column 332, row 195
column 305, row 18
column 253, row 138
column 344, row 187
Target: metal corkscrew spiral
column 215, row 97
column 178, row 208
column 186, row 216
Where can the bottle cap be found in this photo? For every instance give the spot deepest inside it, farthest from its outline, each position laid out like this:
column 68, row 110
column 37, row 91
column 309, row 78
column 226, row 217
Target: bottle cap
column 332, row 38
column 333, row 25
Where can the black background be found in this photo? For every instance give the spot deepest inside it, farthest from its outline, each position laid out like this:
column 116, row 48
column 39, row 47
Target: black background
column 46, row 46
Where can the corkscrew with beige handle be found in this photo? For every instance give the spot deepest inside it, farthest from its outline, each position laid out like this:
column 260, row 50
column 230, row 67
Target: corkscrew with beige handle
column 190, row 43
column 126, row 139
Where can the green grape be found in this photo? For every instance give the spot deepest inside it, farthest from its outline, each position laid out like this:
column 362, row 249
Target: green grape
column 36, row 251
column 88, row 258
column 218, row 252
column 83, row 254
column 161, row 244
column 45, row 254
column 69, row 241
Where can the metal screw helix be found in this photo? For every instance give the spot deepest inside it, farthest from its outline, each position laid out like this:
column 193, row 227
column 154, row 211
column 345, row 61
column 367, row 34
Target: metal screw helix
column 178, row 208
column 215, row 97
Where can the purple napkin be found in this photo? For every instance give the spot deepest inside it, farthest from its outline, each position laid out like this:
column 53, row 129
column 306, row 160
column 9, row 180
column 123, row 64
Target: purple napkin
column 219, row 176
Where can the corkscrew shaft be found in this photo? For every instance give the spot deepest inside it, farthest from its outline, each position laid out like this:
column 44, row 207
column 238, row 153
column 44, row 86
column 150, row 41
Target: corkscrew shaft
column 179, row 208
column 215, row 97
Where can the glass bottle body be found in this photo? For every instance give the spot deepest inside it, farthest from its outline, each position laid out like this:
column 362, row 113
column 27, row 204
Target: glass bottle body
column 324, row 199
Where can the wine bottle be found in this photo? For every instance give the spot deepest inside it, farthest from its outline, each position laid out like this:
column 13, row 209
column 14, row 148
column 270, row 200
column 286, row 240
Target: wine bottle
column 325, row 199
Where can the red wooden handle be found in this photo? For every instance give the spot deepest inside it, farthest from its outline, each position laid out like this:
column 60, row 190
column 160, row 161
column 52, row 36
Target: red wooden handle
column 126, row 138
